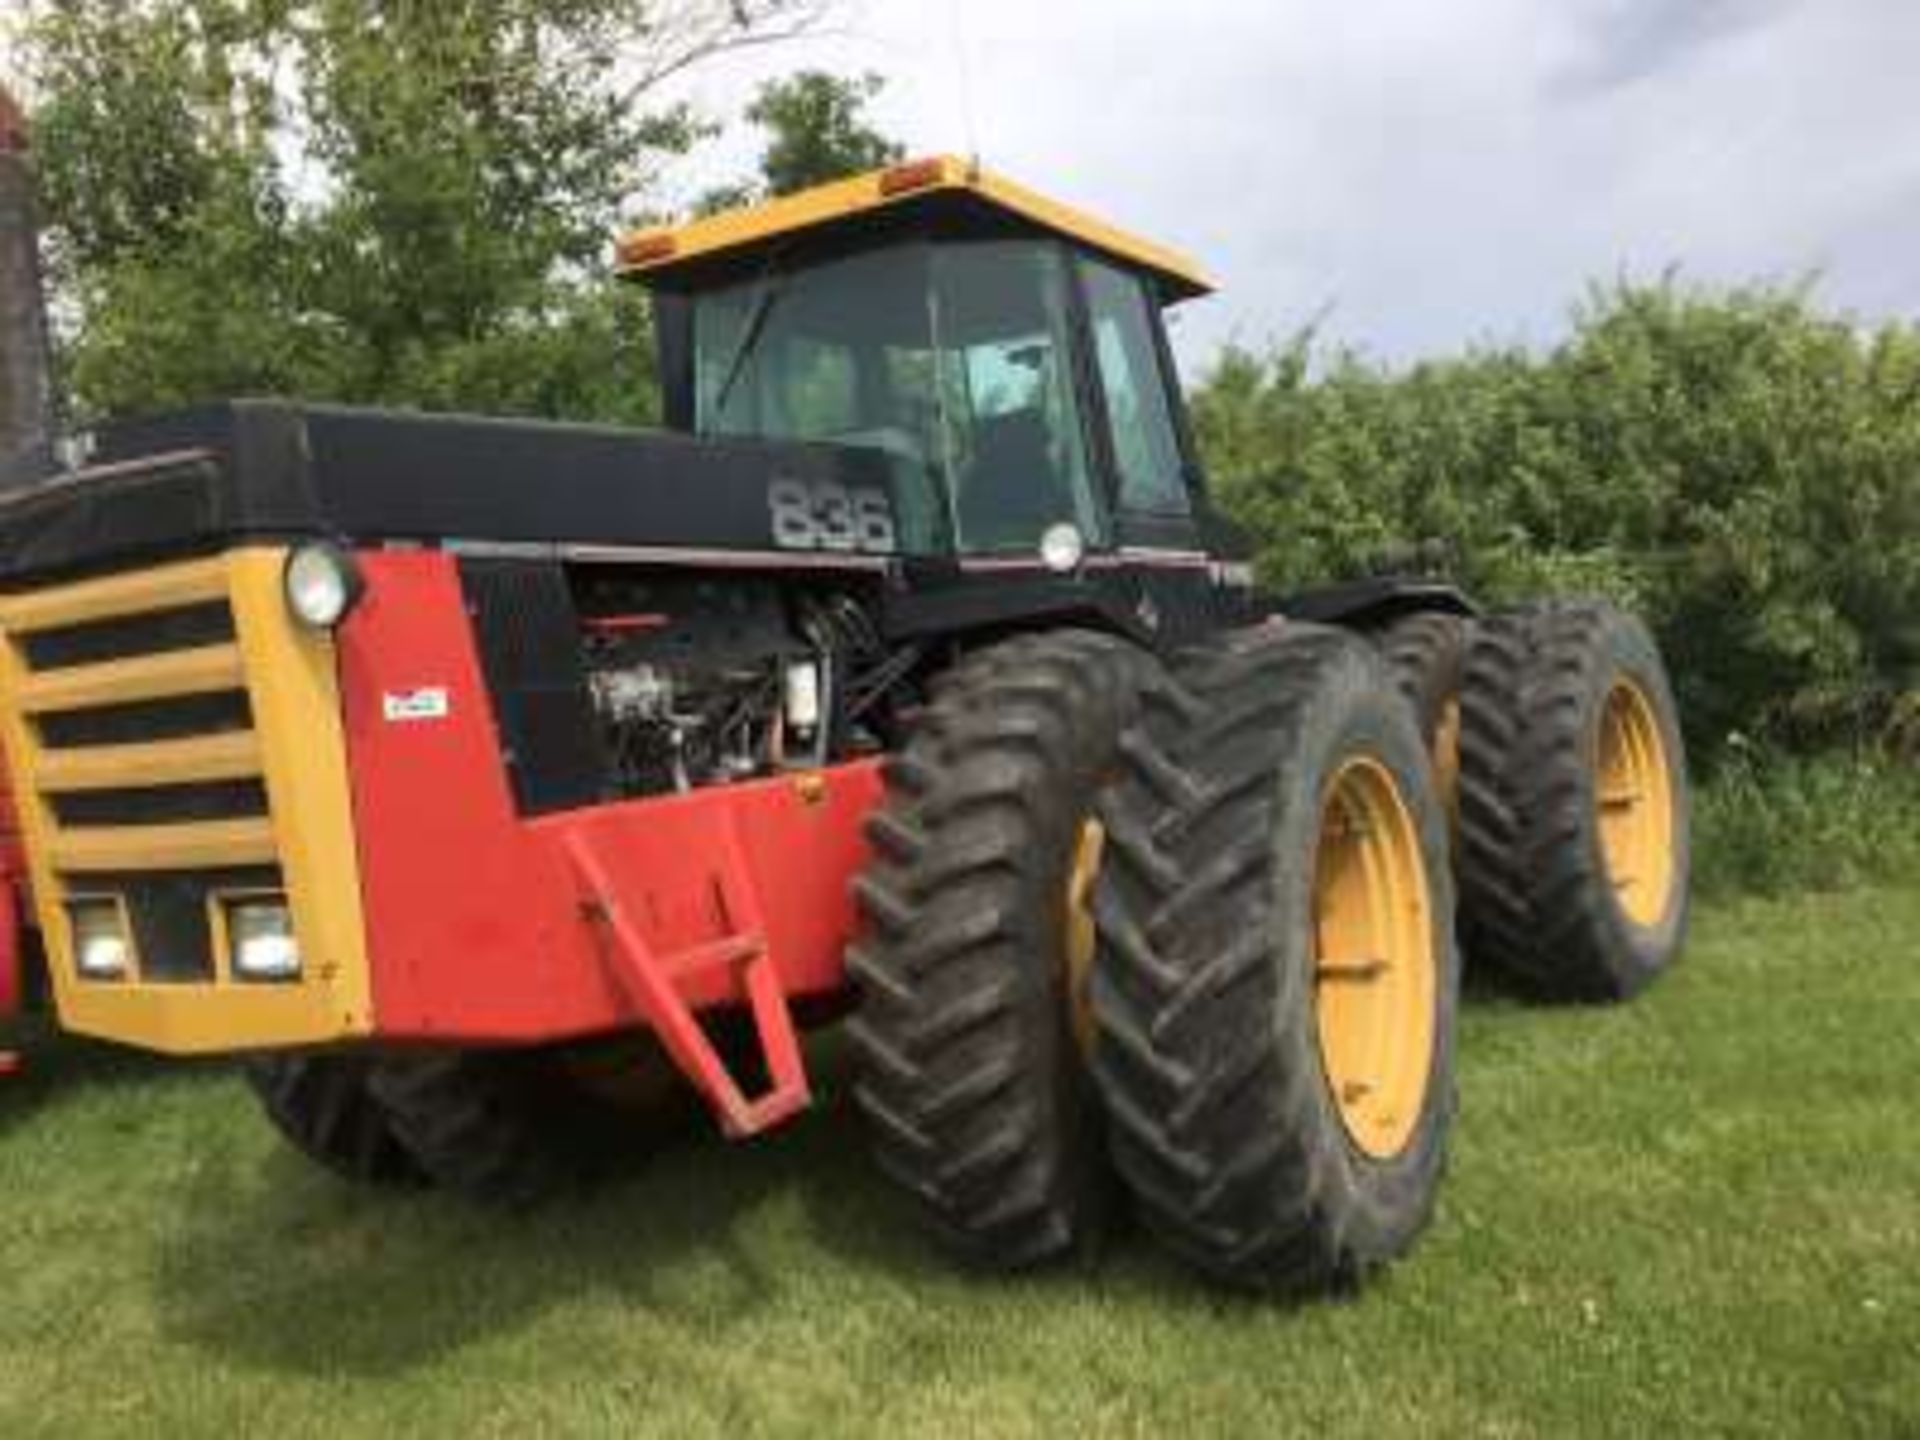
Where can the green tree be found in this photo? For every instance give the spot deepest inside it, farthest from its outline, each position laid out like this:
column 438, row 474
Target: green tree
column 24, row 397
column 369, row 200
column 816, row 130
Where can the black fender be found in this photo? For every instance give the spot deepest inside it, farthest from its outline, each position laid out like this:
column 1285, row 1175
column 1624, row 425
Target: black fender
column 1371, row 603
column 994, row 607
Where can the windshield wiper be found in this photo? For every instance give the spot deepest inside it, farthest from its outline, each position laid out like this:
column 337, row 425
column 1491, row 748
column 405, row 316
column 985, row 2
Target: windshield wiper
column 772, row 282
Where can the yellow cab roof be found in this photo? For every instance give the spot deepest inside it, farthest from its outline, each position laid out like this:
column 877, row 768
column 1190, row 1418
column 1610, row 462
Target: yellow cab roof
column 663, row 253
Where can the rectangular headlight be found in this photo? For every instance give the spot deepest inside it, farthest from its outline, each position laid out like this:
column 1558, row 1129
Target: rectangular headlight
column 260, row 939
column 102, row 949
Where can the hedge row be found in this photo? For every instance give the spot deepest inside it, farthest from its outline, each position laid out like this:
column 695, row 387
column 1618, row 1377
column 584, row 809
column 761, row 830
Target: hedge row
column 1741, row 467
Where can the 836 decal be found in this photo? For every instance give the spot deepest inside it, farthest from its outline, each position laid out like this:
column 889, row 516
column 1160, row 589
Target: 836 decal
column 825, row 515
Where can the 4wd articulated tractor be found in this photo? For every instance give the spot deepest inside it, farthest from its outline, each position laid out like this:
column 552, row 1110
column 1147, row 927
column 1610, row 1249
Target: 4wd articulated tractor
column 907, row 675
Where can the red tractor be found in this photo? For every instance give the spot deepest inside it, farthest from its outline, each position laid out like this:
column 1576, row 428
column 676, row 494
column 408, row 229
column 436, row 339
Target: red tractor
column 910, row 672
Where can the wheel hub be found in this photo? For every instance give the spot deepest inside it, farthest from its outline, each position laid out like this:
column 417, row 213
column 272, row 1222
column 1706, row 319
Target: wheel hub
column 1634, row 796
column 1375, row 970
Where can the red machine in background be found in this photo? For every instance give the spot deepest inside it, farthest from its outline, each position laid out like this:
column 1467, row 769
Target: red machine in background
column 26, row 419
column 13, row 913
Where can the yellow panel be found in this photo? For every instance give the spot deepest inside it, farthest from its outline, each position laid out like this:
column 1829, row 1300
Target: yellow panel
column 162, row 588
column 1187, row 277
column 296, row 713
column 200, row 758
column 144, row 677
column 203, row 845
column 299, row 749
column 35, row 820
column 196, row 1019
column 842, row 201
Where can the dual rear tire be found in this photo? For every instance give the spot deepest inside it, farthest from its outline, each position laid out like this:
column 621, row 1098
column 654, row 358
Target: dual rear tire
column 1264, row 1052
column 1276, row 999
column 973, row 966
column 1557, row 745
column 1574, row 851
column 1270, row 1045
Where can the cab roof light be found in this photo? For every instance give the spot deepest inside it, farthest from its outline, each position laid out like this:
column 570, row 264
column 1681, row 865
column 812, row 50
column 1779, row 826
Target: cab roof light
column 914, row 175
column 649, row 248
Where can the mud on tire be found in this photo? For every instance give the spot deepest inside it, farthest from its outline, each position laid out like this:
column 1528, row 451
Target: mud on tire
column 968, row 1072
column 1219, row 1088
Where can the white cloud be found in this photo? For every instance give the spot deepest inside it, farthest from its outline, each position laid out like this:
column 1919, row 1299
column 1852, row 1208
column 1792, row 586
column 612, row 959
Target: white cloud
column 1429, row 173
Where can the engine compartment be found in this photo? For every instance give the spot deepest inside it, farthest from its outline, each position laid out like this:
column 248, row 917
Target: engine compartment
column 611, row 682
column 699, row 680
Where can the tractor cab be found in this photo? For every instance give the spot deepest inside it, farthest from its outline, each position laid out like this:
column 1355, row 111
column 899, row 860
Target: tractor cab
column 1003, row 353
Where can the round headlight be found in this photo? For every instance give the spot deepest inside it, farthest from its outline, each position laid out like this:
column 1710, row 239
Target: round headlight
column 1062, row 548
column 323, row 582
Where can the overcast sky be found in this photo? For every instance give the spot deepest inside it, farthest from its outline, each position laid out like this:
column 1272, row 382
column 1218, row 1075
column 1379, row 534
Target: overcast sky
column 1424, row 172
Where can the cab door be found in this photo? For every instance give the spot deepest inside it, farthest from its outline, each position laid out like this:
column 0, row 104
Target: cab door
column 1153, row 486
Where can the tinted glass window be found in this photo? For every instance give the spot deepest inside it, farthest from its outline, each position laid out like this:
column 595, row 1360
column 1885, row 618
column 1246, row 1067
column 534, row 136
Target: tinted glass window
column 1017, row 452
column 1127, row 356
column 838, row 351
column 954, row 360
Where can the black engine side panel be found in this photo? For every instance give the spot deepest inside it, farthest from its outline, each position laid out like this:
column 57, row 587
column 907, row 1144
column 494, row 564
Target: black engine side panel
column 528, row 636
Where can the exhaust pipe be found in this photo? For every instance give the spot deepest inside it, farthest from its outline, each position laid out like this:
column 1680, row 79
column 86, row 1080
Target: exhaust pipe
column 26, row 382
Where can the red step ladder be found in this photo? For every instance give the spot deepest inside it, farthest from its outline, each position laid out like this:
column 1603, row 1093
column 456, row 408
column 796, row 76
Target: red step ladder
column 656, row 983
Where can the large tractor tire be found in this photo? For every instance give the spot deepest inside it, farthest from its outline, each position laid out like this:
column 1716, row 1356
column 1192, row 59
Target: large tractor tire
column 1427, row 654
column 1575, row 851
column 1277, row 983
column 977, row 942
column 502, row 1128
column 496, row 1127
column 322, row 1106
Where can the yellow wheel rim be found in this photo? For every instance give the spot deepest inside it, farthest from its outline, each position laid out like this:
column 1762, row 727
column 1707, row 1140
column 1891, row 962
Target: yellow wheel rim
column 1375, row 967
column 1634, row 797
column 1090, row 843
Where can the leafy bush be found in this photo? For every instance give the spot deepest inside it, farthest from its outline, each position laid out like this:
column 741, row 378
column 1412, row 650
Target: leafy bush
column 1739, row 467
column 1775, row 823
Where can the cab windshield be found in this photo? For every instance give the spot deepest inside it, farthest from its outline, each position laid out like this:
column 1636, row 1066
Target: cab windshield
column 953, row 360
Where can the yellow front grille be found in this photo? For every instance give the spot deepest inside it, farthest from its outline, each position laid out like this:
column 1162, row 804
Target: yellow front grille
column 155, row 760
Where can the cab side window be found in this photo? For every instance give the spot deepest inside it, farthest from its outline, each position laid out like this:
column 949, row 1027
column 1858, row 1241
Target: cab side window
column 1013, row 433
column 1145, row 449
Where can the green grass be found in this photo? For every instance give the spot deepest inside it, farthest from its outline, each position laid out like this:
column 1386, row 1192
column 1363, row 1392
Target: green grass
column 1699, row 1214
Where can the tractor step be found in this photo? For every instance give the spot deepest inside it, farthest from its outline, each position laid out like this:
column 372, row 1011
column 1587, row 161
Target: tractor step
column 652, row 980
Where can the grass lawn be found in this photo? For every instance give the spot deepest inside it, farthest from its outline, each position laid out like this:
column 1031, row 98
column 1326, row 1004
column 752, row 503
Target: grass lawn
column 1700, row 1214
